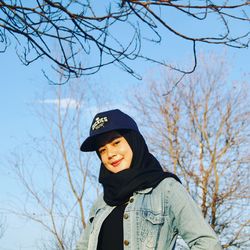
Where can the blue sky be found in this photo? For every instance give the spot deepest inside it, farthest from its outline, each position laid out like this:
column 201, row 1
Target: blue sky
column 19, row 88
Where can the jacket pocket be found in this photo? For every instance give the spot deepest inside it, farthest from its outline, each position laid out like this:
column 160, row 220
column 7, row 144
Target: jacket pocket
column 152, row 217
column 150, row 227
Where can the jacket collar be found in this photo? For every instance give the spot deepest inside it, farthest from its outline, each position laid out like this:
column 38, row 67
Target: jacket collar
column 144, row 191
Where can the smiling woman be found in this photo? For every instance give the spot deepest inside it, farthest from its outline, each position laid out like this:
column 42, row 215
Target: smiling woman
column 142, row 206
column 116, row 154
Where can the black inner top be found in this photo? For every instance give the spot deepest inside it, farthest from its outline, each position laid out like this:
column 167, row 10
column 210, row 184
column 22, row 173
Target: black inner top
column 111, row 233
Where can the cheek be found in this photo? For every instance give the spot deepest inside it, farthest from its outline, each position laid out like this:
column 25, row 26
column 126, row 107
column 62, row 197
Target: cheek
column 129, row 156
column 103, row 159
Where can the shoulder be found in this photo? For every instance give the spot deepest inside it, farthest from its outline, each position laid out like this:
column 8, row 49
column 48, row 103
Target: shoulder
column 169, row 188
column 169, row 184
column 98, row 204
column 99, row 201
column 164, row 190
column 158, row 199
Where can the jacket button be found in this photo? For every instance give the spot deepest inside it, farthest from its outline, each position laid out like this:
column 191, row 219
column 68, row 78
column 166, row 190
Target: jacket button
column 131, row 200
column 125, row 216
column 126, row 242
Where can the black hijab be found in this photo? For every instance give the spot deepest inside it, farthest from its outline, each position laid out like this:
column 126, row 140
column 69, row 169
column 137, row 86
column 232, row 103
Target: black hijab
column 145, row 172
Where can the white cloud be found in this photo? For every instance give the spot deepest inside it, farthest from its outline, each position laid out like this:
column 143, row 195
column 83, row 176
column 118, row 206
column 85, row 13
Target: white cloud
column 64, row 102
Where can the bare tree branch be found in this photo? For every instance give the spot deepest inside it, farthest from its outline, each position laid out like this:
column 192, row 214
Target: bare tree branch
column 60, row 188
column 85, row 32
column 201, row 132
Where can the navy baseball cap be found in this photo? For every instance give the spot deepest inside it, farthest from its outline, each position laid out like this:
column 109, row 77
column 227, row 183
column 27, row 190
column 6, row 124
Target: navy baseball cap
column 104, row 122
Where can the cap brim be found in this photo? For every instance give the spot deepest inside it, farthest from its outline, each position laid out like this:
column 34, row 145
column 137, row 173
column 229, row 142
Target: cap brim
column 89, row 144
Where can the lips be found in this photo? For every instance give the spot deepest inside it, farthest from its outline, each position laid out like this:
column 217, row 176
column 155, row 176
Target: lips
column 116, row 163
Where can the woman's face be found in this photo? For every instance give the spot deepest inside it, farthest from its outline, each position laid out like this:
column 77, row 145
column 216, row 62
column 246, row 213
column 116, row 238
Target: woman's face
column 115, row 152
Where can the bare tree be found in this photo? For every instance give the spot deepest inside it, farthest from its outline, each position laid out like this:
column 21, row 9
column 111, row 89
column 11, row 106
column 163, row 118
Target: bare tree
column 2, row 227
column 93, row 32
column 201, row 132
column 59, row 182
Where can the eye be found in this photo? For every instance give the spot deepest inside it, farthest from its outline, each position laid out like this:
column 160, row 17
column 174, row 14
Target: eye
column 116, row 142
column 101, row 150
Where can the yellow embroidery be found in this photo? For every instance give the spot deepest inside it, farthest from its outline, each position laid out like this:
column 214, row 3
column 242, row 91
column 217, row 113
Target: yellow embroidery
column 99, row 122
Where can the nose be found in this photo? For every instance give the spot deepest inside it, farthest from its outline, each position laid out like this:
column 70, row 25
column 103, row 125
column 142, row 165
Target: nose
column 111, row 152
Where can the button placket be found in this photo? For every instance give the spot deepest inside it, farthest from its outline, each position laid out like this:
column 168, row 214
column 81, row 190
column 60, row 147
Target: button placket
column 127, row 222
column 125, row 216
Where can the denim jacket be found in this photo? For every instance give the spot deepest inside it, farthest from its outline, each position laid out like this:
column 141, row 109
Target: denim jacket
column 153, row 219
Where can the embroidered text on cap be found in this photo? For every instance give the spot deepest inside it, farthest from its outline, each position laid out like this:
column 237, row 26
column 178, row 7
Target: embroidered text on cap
column 99, row 122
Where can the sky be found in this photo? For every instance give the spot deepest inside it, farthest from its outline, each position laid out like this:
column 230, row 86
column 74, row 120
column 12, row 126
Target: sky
column 20, row 87
column 21, row 90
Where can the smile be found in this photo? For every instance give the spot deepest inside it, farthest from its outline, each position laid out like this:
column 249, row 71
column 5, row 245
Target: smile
column 116, row 163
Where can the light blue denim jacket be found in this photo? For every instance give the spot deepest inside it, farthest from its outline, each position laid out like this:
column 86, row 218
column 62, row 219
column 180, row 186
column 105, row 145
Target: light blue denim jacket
column 152, row 220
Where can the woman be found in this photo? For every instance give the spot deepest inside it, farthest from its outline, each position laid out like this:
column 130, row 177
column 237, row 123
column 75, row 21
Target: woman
column 142, row 207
